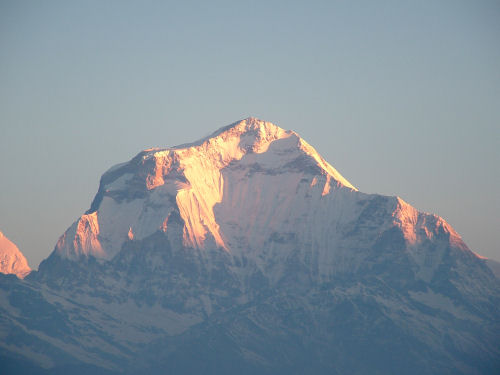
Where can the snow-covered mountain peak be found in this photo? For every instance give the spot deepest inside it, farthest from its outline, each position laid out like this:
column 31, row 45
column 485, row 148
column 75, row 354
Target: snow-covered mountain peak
column 234, row 190
column 413, row 224
column 244, row 242
column 249, row 136
column 11, row 259
column 196, row 182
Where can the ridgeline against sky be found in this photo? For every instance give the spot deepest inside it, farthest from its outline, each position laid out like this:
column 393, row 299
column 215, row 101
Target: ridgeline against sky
column 401, row 97
column 246, row 252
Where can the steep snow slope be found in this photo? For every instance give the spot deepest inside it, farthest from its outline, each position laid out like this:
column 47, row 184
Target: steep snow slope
column 135, row 199
column 11, row 259
column 247, row 184
column 246, row 251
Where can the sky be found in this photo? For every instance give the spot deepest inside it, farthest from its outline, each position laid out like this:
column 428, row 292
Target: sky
column 401, row 97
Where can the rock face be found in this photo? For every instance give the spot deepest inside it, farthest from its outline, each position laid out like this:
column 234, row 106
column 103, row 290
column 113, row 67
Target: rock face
column 12, row 261
column 247, row 252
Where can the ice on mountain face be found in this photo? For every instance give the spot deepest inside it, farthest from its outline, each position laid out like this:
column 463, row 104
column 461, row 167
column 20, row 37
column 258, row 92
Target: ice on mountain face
column 12, row 261
column 257, row 192
column 138, row 196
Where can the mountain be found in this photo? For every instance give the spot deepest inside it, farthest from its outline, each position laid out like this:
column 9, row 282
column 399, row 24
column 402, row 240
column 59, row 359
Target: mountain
column 12, row 261
column 247, row 252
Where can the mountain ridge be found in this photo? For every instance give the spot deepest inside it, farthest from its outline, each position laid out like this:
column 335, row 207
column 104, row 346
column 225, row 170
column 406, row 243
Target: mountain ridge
column 12, row 260
column 185, row 171
column 244, row 253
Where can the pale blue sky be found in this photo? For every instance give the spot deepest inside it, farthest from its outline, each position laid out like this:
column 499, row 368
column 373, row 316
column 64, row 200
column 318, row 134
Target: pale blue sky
column 402, row 97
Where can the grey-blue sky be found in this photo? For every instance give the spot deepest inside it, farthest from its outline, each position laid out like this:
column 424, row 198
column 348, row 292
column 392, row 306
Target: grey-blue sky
column 403, row 98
